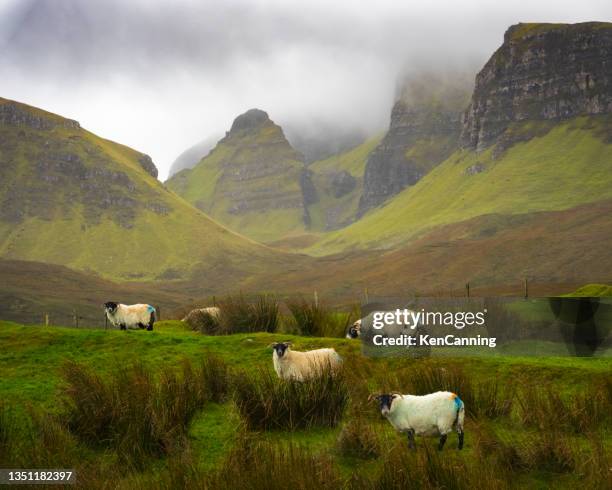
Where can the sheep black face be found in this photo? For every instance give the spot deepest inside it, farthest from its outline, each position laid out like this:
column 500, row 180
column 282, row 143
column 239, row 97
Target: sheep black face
column 354, row 330
column 280, row 348
column 385, row 401
column 110, row 307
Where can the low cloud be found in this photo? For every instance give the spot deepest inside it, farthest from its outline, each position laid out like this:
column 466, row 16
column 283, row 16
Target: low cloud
column 163, row 75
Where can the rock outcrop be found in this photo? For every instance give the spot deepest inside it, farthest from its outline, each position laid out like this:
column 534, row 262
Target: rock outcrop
column 16, row 114
column 541, row 72
column 148, row 166
column 424, row 130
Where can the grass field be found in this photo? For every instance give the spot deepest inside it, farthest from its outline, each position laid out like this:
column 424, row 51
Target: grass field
column 361, row 452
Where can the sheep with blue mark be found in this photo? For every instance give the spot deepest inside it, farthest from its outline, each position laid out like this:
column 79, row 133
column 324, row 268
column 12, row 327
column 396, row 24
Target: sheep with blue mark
column 130, row 316
column 436, row 414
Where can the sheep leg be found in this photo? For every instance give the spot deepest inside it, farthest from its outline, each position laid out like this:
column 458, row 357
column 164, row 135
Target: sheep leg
column 410, row 433
column 442, row 441
column 460, row 446
column 122, row 326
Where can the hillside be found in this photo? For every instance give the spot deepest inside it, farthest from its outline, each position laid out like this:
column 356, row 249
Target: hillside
column 338, row 181
column 253, row 181
column 538, row 161
column 69, row 197
column 424, row 130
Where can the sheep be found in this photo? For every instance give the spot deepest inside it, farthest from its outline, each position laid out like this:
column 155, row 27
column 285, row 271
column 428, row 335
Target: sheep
column 300, row 366
column 435, row 414
column 213, row 311
column 364, row 327
column 130, row 316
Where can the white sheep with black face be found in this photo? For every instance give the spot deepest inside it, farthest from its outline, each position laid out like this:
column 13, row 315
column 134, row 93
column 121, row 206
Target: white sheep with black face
column 436, row 414
column 300, row 366
column 130, row 316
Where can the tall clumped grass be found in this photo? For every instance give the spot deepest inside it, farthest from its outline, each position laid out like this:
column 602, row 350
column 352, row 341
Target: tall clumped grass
column 134, row 413
column 34, row 439
column 430, row 469
column 268, row 403
column 237, row 315
column 482, row 399
column 314, row 318
column 580, row 412
column 358, row 439
column 256, row 464
column 203, row 322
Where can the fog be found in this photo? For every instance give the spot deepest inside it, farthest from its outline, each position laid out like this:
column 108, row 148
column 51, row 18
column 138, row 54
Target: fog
column 163, row 75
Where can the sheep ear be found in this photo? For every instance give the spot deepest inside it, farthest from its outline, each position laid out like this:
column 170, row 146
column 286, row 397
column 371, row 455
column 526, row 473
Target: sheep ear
column 288, row 343
column 272, row 345
column 373, row 396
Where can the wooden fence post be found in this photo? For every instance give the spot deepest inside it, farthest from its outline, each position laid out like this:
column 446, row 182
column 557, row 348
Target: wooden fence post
column 526, row 285
column 467, row 289
column 46, row 319
column 366, row 296
column 316, row 299
column 75, row 317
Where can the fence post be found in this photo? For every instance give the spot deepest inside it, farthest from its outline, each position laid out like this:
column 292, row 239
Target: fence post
column 75, row 317
column 467, row 289
column 365, row 296
column 316, row 299
column 46, row 319
column 105, row 322
column 214, row 301
column 526, row 285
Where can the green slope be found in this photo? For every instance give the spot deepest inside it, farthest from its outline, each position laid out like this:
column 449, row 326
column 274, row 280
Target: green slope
column 549, row 167
column 330, row 211
column 250, row 181
column 69, row 197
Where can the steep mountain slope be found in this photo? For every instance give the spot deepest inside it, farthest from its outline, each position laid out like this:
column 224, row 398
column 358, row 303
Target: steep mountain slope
column 69, row 197
column 535, row 161
column 253, row 181
column 192, row 155
column 338, row 181
column 424, row 130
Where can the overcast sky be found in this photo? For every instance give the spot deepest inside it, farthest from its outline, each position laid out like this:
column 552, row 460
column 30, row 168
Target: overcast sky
column 162, row 75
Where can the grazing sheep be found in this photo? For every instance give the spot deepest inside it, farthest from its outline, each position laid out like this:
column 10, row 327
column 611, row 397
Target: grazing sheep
column 435, row 414
column 213, row 311
column 364, row 327
column 300, row 366
column 130, row 316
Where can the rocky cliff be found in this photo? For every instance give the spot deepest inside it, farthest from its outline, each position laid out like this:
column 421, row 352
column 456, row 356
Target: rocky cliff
column 253, row 180
column 424, row 129
column 72, row 198
column 541, row 72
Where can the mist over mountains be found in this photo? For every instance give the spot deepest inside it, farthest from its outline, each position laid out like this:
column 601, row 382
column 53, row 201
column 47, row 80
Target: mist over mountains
column 163, row 75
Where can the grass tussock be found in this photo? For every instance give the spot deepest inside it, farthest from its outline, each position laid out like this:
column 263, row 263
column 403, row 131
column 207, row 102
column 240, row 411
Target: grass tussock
column 358, row 439
column 579, row 413
column 135, row 414
column 268, row 403
column 203, row 322
column 237, row 315
column 548, row 451
column 256, row 464
column 314, row 318
column 428, row 469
